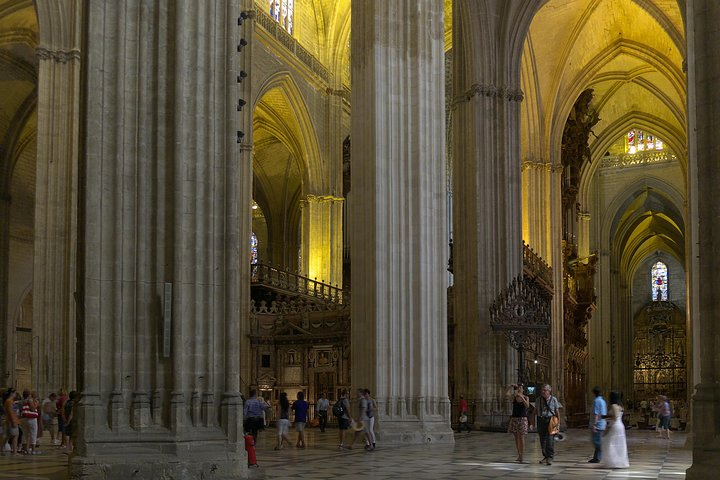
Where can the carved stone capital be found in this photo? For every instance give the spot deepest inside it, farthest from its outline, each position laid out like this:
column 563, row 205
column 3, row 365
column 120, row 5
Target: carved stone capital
column 505, row 93
column 58, row 56
column 339, row 92
column 535, row 165
column 310, row 198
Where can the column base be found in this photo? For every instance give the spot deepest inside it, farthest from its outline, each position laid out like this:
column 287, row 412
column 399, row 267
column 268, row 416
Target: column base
column 705, row 436
column 153, row 460
column 415, row 433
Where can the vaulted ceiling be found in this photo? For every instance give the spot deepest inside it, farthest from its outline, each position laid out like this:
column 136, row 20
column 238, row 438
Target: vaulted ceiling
column 630, row 52
column 18, row 113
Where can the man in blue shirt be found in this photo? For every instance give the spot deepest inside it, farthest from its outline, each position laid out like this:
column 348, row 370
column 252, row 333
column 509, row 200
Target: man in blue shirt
column 253, row 411
column 597, row 424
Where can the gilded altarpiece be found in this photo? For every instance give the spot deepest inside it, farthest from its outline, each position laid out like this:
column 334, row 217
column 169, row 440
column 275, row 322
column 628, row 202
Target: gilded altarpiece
column 659, row 348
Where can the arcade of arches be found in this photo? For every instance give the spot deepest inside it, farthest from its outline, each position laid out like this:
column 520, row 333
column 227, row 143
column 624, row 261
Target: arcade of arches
column 441, row 200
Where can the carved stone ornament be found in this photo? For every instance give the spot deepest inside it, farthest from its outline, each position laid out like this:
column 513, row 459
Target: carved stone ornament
column 59, row 56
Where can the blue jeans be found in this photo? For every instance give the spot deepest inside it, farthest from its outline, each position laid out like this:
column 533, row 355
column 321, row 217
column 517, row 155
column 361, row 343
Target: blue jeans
column 597, row 442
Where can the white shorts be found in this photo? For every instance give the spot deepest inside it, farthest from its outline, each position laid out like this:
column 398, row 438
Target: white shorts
column 283, row 425
column 299, row 426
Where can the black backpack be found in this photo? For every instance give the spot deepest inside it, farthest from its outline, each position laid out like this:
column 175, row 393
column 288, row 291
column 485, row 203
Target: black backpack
column 339, row 409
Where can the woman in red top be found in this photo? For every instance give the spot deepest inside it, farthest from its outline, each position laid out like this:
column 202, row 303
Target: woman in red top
column 29, row 422
column 463, row 420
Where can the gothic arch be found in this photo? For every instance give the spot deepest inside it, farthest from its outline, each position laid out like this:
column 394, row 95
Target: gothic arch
column 619, row 224
column 340, row 53
column 675, row 198
column 296, row 132
column 589, row 75
column 674, row 139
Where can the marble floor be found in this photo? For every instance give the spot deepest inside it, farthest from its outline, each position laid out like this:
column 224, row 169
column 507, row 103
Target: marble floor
column 476, row 455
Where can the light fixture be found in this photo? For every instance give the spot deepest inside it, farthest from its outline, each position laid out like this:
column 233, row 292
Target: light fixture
column 244, row 15
column 242, row 43
column 241, row 104
column 240, row 135
column 241, row 76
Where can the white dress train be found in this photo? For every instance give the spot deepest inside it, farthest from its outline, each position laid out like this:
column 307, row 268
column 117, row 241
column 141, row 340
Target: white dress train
column 614, row 444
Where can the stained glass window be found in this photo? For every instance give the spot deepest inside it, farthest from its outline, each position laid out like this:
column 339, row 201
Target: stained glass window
column 659, row 287
column 283, row 11
column 639, row 141
column 253, row 249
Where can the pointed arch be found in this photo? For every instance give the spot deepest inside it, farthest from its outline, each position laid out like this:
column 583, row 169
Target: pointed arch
column 296, row 131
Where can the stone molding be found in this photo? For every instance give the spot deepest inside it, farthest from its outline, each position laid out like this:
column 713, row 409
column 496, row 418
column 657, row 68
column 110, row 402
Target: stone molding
column 509, row 94
column 529, row 164
column 59, row 56
column 321, row 199
column 343, row 93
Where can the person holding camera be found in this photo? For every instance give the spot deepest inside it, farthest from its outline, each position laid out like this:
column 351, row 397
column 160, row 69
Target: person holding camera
column 518, row 425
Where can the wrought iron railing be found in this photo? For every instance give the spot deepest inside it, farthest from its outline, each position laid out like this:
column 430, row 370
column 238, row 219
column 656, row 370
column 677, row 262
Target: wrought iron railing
column 536, row 266
column 290, row 282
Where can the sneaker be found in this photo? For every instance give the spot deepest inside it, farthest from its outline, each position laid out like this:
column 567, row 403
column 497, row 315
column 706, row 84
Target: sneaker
column 544, row 460
column 549, row 461
column 593, row 460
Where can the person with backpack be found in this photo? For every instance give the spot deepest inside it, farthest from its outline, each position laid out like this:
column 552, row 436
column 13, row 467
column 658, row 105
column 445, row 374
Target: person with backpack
column 341, row 410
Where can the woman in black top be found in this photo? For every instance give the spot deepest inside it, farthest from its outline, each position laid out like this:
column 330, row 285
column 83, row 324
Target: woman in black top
column 283, row 421
column 518, row 425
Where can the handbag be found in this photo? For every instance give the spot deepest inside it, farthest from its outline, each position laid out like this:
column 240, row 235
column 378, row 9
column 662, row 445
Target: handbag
column 554, row 425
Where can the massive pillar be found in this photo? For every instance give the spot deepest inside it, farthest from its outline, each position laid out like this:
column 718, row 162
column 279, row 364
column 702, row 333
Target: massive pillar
column 55, row 256
column 487, row 42
column 703, row 34
column 164, row 236
column 6, row 326
column 398, row 227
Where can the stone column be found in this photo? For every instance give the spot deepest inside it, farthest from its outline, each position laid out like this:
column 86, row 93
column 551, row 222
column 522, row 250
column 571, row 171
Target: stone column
column 322, row 238
column 398, row 228
column 557, row 328
column 703, row 36
column 536, row 203
column 165, row 199
column 487, row 197
column 56, row 197
column 6, row 326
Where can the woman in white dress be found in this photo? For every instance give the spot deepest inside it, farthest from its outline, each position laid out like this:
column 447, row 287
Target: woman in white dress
column 614, row 444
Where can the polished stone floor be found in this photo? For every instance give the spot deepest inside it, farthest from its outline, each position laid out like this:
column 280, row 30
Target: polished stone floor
column 476, row 455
